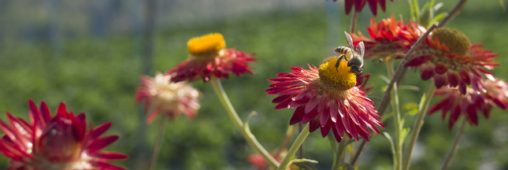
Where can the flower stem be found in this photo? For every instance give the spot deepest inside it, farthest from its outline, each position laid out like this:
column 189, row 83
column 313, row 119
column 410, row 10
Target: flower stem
column 158, row 143
column 424, row 104
column 399, row 126
column 358, row 151
column 294, row 147
column 230, row 110
column 454, row 146
column 354, row 19
column 338, row 162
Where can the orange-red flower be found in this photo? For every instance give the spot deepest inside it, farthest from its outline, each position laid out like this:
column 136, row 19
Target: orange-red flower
column 454, row 104
column 160, row 95
column 389, row 38
column 359, row 4
column 327, row 98
column 61, row 141
column 209, row 58
column 449, row 59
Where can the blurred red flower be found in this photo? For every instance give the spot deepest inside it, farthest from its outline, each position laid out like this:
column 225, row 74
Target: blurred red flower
column 209, row 58
column 59, row 142
column 160, row 95
column 359, row 4
column 491, row 92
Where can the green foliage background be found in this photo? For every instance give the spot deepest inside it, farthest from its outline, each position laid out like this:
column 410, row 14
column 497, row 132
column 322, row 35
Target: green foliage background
column 99, row 76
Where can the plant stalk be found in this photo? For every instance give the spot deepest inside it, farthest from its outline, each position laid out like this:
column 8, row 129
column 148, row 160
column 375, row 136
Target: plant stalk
column 158, row 143
column 419, row 123
column 294, row 147
column 230, row 110
column 454, row 146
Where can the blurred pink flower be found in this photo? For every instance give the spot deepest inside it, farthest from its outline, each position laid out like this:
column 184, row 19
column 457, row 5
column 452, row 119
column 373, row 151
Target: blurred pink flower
column 160, row 95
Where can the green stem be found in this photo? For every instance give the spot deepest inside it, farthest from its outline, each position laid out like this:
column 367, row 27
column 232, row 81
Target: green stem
column 294, row 147
column 397, row 119
column 454, row 146
column 424, row 106
column 158, row 143
column 339, row 159
column 333, row 145
column 251, row 139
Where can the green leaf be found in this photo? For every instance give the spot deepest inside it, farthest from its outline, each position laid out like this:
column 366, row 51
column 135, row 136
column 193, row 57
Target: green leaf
column 438, row 17
column 410, row 108
column 303, row 164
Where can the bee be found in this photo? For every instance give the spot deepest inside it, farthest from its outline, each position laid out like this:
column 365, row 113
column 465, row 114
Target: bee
column 353, row 56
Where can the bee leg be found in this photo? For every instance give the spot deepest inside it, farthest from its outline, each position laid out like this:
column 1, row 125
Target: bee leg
column 342, row 57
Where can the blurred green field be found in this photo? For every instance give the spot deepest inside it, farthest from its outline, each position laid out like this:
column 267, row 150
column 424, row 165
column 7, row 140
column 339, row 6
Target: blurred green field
column 99, row 76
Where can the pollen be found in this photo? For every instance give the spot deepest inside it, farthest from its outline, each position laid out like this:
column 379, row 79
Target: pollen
column 206, row 44
column 456, row 41
column 336, row 78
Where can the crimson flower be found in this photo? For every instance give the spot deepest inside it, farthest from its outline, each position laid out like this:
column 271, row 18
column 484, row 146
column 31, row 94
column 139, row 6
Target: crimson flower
column 493, row 92
column 449, row 59
column 389, row 38
column 327, row 98
column 159, row 94
column 61, row 141
column 209, row 58
column 359, row 4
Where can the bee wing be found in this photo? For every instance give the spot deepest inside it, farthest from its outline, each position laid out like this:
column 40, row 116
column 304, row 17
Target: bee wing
column 361, row 48
column 349, row 40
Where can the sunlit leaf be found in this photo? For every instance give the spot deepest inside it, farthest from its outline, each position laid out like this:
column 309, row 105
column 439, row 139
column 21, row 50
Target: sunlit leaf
column 303, row 164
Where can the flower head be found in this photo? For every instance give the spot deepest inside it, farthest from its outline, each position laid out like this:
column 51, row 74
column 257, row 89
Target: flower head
column 61, row 141
column 359, row 4
column 389, row 38
column 491, row 92
column 209, row 58
column 327, row 98
column 160, row 95
column 450, row 60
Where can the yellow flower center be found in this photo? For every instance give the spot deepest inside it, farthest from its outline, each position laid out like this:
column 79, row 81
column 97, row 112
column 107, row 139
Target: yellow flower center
column 336, row 78
column 453, row 39
column 206, row 44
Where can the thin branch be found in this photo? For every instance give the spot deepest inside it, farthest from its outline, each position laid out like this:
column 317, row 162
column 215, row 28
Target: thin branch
column 353, row 21
column 401, row 69
column 454, row 146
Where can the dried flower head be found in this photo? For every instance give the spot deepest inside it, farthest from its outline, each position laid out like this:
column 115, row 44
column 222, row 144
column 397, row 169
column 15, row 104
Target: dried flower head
column 209, row 58
column 61, row 141
column 160, row 95
column 327, row 98
column 445, row 58
column 359, row 4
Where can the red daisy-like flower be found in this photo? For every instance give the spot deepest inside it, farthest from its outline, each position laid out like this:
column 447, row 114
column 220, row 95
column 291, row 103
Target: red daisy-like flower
column 493, row 92
column 61, row 141
column 449, row 59
column 389, row 38
column 359, row 4
column 327, row 98
column 209, row 58
column 160, row 95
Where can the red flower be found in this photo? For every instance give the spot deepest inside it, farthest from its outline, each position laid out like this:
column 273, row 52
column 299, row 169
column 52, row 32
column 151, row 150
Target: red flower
column 389, row 38
column 359, row 4
column 450, row 60
column 327, row 98
column 209, row 58
column 492, row 92
column 159, row 94
column 59, row 142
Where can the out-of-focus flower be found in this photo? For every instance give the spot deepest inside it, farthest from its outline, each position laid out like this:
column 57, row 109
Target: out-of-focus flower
column 359, row 4
column 209, row 58
column 491, row 92
column 389, row 38
column 259, row 162
column 160, row 95
column 59, row 142
column 449, row 59
column 327, row 98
